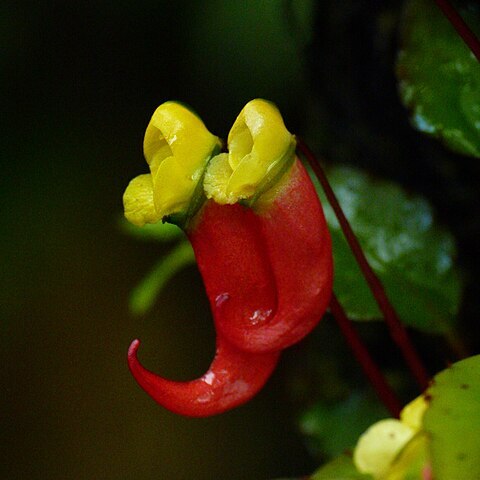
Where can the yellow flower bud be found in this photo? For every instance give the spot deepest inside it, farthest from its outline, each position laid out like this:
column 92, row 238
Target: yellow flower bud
column 260, row 151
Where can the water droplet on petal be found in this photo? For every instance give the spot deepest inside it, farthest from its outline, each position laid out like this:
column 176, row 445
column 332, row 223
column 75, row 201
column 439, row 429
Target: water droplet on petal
column 221, row 299
column 260, row 316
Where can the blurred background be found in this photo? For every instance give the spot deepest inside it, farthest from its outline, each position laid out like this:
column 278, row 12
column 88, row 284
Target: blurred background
column 79, row 82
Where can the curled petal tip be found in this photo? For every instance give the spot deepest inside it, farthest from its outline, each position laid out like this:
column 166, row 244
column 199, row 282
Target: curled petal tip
column 233, row 378
column 133, row 363
column 132, row 349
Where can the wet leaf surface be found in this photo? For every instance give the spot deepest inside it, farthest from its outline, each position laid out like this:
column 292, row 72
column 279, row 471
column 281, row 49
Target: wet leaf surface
column 439, row 78
column 410, row 253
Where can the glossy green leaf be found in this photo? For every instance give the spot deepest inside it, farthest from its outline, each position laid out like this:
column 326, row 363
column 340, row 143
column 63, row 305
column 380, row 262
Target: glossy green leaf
column 163, row 232
column 439, row 78
column 410, row 253
column 342, row 468
column 330, row 429
column 143, row 296
column 453, row 421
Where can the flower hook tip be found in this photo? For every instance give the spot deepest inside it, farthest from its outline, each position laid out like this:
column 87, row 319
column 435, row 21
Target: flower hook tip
column 132, row 349
column 233, row 378
column 132, row 359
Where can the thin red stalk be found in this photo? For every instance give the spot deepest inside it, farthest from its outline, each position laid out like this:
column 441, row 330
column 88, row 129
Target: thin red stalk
column 460, row 26
column 397, row 330
column 374, row 374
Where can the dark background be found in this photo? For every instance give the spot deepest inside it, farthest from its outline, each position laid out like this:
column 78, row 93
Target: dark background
column 79, row 83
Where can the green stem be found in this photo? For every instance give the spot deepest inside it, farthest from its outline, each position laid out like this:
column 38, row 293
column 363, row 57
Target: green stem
column 144, row 294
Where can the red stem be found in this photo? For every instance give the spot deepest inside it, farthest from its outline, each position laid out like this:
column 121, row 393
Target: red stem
column 383, row 390
column 460, row 26
column 397, row 330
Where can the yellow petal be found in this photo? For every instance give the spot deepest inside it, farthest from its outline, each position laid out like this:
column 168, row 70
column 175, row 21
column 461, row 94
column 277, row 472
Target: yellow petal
column 173, row 187
column 216, row 179
column 246, row 177
column 175, row 130
column 156, row 149
column 177, row 147
column 240, row 141
column 258, row 127
column 412, row 413
column 138, row 201
column 410, row 461
column 258, row 142
column 378, row 447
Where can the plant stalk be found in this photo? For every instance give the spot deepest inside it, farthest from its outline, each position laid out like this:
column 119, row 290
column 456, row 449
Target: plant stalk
column 460, row 26
column 371, row 369
column 397, row 330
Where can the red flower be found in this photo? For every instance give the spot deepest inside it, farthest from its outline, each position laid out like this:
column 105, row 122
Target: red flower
column 262, row 247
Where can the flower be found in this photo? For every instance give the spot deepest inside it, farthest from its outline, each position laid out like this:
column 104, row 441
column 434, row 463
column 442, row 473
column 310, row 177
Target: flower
column 177, row 147
column 260, row 151
column 260, row 239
